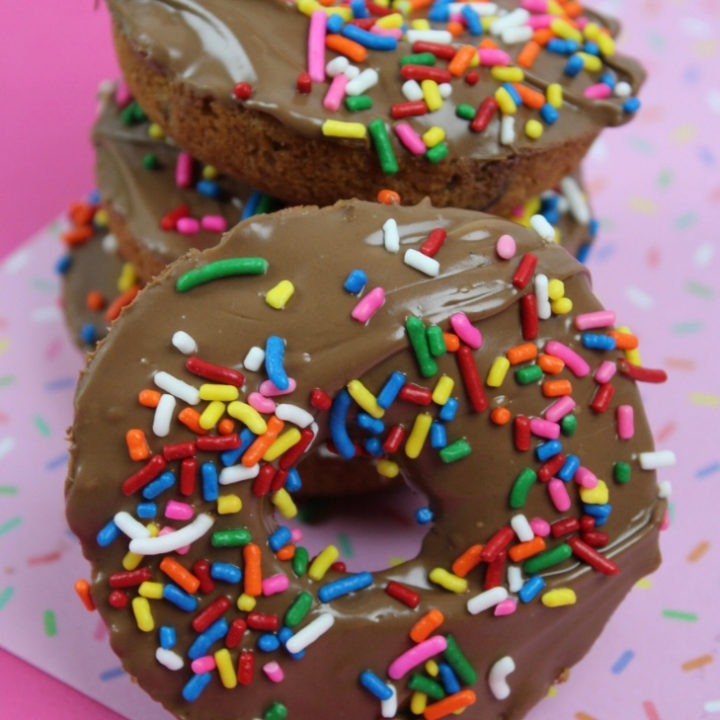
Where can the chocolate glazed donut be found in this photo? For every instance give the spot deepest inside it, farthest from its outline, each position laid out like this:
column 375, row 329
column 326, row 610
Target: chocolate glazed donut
column 556, row 566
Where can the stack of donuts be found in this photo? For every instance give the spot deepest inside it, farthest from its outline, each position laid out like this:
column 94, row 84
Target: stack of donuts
column 367, row 323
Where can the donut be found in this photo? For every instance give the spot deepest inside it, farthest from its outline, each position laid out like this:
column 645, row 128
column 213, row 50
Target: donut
column 511, row 101
column 456, row 350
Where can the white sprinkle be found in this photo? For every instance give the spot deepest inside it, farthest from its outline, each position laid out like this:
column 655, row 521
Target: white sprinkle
column 6, row 446
column 49, row 313
column 254, row 359
column 576, row 200
column 423, row 263
column 543, row 228
column 444, row 37
column 364, row 81
column 130, row 526
column 388, row 708
column 542, row 297
column 163, row 415
column 664, row 489
column 445, row 90
column 110, row 244
column 175, row 540
column 184, row 343
column 294, row 414
column 169, row 659
column 704, row 254
column 412, row 91
column 622, row 89
column 657, row 459
column 481, row 8
column 507, row 130
column 391, row 236
column 520, row 16
column 521, row 526
column 310, row 633
column 517, row 34
column 180, row 389
column 515, row 578
column 351, row 72
column 639, row 297
column 17, row 261
column 486, row 600
column 497, row 679
column 713, row 100
column 337, row 66
column 236, row 473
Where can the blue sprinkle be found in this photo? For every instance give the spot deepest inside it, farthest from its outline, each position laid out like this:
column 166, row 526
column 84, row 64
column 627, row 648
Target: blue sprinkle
column 592, row 48
column 448, row 678
column 344, row 586
column 562, row 46
column 355, row 281
column 168, row 637
column 547, row 450
column 448, row 410
column 88, row 334
column 159, row 485
column 293, row 482
column 338, row 419
column 622, row 662
column 335, row 23
column 474, row 25
column 111, row 674
column 568, row 470
column 93, row 197
column 284, row 635
column 60, row 384
column 514, row 94
column 531, row 588
column 280, row 538
column 369, row 423
column 146, row 510
column 57, row 462
column 374, row 447
column 209, row 188
column 225, row 572
column 552, row 216
column 549, row 114
column 370, row 681
column 205, row 640
column 251, row 205
column 707, row 470
column 274, row 359
column 388, row 393
column 210, row 486
column 358, row 9
column 195, row 685
column 178, row 597
column 594, row 341
column 63, row 264
column 583, row 252
column 424, row 515
column 268, row 642
column 593, row 227
column 574, row 65
column 601, row 513
column 609, row 79
column 368, row 39
column 440, row 11
column 438, row 436
column 631, row 105
column 230, row 457
column 551, row 201
column 109, row 533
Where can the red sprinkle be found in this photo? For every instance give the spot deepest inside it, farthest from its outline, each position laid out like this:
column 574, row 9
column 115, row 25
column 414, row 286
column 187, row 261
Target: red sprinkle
column 641, row 374
column 279, row 480
column 472, row 77
column 487, row 108
column 425, row 72
column 525, row 270
column 549, row 469
column 242, row 91
column 169, row 221
column 291, row 456
column 179, row 451
column 261, row 621
column 521, row 433
column 564, row 527
column 415, row 394
column 214, row 611
column 403, row 594
column 528, row 311
column 130, row 578
column 471, row 378
column 201, row 570
column 592, row 557
column 601, row 402
column 144, row 475
column 497, row 543
column 339, row 566
column 237, row 629
column 445, row 52
column 434, row 242
column 376, row 9
column 320, row 399
column 595, row 538
column 118, row 599
column 188, row 476
column 216, row 373
column 263, row 481
column 408, row 109
column 246, row 667
column 394, row 439
column 213, row 443
column 495, row 570
column 304, row 83
column 587, row 523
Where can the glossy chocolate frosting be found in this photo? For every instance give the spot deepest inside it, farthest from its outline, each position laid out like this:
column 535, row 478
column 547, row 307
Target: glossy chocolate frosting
column 326, row 348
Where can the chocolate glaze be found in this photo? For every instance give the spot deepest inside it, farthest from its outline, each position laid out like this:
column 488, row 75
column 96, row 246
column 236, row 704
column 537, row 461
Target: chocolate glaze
column 316, row 249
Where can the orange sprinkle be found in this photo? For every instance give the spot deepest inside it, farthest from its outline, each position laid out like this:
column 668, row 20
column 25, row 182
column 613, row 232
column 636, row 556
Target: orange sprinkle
column 356, row 52
column 184, row 578
column 417, row 4
column 120, row 302
column 455, row 28
column 77, row 235
column 82, row 588
column 487, row 44
column 573, row 9
column 286, row 553
column 697, row 662
column 698, row 551
column 460, row 63
column 531, row 98
column 261, row 443
column 253, row 571
column 527, row 56
column 388, row 197
column 500, row 416
column 149, row 398
column 95, row 300
column 524, row 550
column 449, row 705
column 551, row 364
column 137, row 444
column 426, row 625
column 624, row 341
column 543, row 36
column 190, row 418
column 467, row 561
column 522, row 353
column 555, row 388
column 226, row 426
column 81, row 213
column 452, row 342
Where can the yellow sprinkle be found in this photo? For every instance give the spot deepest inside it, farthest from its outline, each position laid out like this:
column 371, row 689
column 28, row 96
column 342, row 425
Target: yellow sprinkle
column 279, row 295
column 308, row 7
column 211, row 415
column 364, row 398
column 131, row 560
column 591, row 30
column 155, row 132
column 337, row 128
column 487, row 21
column 559, row 597
column 554, row 8
column 533, row 129
column 101, row 217
column 708, row 399
column 431, row 668
column 434, row 136
column 225, row 668
column 418, row 434
column 143, row 615
column 606, row 43
column 644, row 583
column 592, row 63
column 420, row 24
column 418, row 703
column 556, row 289
column 321, row 564
column 283, row 501
column 226, row 393
column 228, row 504
column 127, row 278
column 431, row 94
column 447, row 580
column 552, row 691
column 246, row 603
column 248, row 416
column 599, row 495
column 388, row 468
column 554, row 94
column 633, row 357
column 443, row 389
column 395, row 20
column 209, row 172
column 562, row 306
column 284, row 442
column 505, row 102
column 151, row 590
column 498, row 371
column 507, row 74
column 565, row 30
column 474, row 60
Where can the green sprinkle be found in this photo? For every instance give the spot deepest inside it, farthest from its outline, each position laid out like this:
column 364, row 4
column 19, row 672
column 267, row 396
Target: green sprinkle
column 221, row 269
column 50, row 623
column 5, row 596
column 687, row 328
column 418, row 339
column 150, row 161
column 459, row 662
column 568, row 425
column 355, row 103
column 300, row 560
column 423, row 684
column 680, row 615
column 8, row 489
column 264, row 205
column 299, row 609
column 521, row 487
column 237, row 537
column 529, row 374
column 685, row 221
column 384, row 150
column 345, row 545
column 44, row 285
column 10, row 525
column 549, row 558
column 437, row 153
column 132, row 114
column 702, row 291
column 455, row 451
column 466, row 112
column 621, row 472
column 425, row 58
column 436, row 341
column 42, row 426
column 6, row 380
column 277, row 711
column 665, row 178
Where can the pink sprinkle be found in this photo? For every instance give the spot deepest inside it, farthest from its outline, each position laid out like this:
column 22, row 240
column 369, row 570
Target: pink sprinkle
column 369, row 305
column 466, row 331
column 316, row 46
column 540, row 527
column 416, row 655
column 178, row 510
column 518, row 211
column 275, row 584
column 559, row 409
column 581, row 22
column 537, row 22
column 506, row 607
column 559, row 495
column 458, row 18
column 493, row 56
column 535, row 6
column 545, row 428
column 605, row 372
column 336, row 92
column 180, row 551
column 505, row 247
column 272, row 669
column 575, row 363
column 410, row 139
column 214, row 223
column 261, row 403
column 585, row 478
column 183, row 170
column 599, row 91
column 123, row 96
column 269, row 389
column 203, row 664
column 666, row 521
column 397, row 33
column 296, row 534
column 599, row 319
column 187, row 225
column 625, row 422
